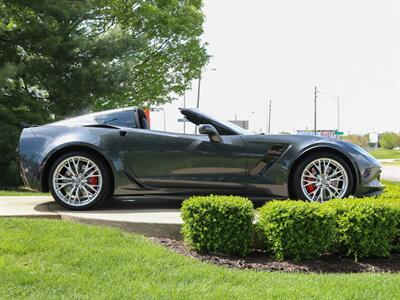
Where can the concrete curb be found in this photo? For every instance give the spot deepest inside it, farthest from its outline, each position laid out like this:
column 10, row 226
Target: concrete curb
column 161, row 230
column 150, row 229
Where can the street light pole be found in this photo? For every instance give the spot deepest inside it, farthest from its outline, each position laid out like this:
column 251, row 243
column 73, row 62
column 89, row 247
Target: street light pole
column 198, row 92
column 269, row 117
column 165, row 122
column 184, row 106
column 198, row 99
column 199, row 88
column 338, row 114
column 315, row 110
column 338, row 106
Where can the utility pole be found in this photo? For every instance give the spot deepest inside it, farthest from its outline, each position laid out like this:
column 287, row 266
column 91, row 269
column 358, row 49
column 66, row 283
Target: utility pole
column 269, row 117
column 315, row 110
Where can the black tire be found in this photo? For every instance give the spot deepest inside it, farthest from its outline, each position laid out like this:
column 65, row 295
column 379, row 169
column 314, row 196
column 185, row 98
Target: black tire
column 105, row 186
column 298, row 192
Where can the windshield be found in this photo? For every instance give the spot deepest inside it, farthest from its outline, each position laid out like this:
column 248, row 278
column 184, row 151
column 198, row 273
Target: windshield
column 203, row 118
column 236, row 128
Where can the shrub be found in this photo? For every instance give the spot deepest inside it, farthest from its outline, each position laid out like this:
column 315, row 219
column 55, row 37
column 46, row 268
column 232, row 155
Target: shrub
column 392, row 197
column 365, row 227
column 389, row 140
column 218, row 224
column 392, row 192
column 296, row 230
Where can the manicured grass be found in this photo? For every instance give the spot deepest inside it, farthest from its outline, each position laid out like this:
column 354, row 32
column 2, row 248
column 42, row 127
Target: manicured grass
column 42, row 259
column 21, row 192
column 385, row 154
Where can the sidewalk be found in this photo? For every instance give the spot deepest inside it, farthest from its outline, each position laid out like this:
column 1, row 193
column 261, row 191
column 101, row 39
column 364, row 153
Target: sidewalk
column 26, row 206
column 151, row 217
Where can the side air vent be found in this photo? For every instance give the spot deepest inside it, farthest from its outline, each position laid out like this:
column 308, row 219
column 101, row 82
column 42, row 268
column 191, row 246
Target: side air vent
column 271, row 156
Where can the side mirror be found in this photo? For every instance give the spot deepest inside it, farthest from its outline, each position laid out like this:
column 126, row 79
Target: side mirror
column 211, row 132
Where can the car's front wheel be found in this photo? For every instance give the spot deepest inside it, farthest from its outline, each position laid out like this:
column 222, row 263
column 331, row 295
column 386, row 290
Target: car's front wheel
column 79, row 180
column 321, row 177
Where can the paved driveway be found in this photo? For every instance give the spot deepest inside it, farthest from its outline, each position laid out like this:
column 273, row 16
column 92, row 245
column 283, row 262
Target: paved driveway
column 391, row 173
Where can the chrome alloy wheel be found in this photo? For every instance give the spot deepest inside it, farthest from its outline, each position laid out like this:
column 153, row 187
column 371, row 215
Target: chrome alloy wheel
column 77, row 181
column 324, row 179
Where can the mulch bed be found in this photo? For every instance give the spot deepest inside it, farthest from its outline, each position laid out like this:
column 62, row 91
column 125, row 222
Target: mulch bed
column 261, row 261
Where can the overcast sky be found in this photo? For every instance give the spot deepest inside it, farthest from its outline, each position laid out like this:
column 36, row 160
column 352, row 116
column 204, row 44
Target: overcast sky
column 280, row 50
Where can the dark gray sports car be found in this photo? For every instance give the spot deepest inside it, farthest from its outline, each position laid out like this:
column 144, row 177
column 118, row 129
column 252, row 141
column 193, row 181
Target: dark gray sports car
column 86, row 159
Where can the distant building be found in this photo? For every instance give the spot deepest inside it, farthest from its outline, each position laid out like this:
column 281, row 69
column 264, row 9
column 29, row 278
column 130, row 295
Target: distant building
column 241, row 123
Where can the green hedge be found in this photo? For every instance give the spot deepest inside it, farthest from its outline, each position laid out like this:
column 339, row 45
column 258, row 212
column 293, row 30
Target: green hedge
column 365, row 227
column 392, row 192
column 296, row 230
column 218, row 224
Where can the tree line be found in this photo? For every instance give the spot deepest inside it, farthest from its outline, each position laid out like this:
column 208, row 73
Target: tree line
column 387, row 140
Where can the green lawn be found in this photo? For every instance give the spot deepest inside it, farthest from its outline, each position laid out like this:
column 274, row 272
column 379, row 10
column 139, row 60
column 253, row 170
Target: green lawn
column 21, row 192
column 385, row 154
column 42, row 259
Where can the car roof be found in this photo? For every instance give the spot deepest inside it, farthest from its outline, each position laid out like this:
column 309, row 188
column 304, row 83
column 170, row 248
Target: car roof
column 89, row 118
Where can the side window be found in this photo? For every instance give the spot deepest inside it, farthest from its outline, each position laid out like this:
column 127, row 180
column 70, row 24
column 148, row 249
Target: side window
column 122, row 118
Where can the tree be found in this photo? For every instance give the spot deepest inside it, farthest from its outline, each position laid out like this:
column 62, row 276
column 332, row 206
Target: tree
column 59, row 58
column 389, row 140
column 358, row 139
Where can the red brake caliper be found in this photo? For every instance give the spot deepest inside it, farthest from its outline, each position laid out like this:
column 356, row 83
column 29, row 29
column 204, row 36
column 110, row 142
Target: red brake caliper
column 310, row 188
column 93, row 180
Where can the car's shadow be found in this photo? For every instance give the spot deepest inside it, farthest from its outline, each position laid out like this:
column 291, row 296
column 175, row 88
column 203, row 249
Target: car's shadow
column 153, row 203
column 130, row 204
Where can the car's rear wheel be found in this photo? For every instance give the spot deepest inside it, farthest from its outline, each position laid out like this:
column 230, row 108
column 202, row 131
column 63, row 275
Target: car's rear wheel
column 79, row 180
column 321, row 177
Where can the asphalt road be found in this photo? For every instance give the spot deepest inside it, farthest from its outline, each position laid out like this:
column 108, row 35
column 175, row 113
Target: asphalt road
column 391, row 173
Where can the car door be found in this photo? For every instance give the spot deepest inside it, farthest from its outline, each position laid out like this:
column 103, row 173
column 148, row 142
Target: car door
column 217, row 165
column 169, row 160
column 153, row 158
